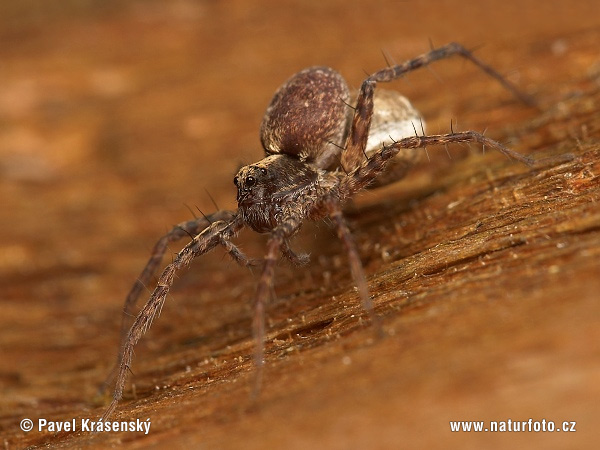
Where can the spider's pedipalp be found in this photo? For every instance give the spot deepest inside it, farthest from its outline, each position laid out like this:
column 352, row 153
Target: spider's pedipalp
column 299, row 259
column 237, row 255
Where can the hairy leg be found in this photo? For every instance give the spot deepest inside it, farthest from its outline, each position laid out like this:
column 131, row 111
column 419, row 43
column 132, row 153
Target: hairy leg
column 277, row 241
column 218, row 233
column 356, row 268
column 369, row 169
column 179, row 231
column 357, row 137
column 184, row 229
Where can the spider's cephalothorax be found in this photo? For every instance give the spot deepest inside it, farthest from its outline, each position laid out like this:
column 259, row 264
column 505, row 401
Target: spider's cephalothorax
column 322, row 146
column 270, row 190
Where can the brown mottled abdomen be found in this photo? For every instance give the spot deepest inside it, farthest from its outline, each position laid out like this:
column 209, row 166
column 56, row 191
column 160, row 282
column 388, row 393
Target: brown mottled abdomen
column 307, row 117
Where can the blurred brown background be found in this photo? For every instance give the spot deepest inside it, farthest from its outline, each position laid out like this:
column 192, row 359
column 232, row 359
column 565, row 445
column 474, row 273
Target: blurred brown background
column 115, row 115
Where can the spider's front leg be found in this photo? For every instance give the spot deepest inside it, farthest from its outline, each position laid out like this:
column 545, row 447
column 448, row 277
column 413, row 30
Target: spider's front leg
column 184, row 229
column 218, row 233
column 277, row 242
column 179, row 231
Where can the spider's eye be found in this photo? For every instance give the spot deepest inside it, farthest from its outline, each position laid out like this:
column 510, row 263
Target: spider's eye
column 250, row 181
column 263, row 170
column 235, row 180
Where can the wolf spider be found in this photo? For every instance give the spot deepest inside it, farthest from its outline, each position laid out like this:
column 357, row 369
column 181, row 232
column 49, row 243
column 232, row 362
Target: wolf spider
column 317, row 158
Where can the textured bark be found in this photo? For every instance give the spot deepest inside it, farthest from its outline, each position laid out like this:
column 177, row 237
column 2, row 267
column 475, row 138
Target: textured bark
column 484, row 272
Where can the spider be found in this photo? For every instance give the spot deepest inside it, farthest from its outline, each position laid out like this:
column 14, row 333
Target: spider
column 320, row 152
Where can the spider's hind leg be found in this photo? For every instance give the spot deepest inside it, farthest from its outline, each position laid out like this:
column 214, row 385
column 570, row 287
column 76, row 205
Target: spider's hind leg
column 356, row 140
column 368, row 170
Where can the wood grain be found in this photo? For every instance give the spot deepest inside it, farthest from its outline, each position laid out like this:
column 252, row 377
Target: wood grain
column 484, row 272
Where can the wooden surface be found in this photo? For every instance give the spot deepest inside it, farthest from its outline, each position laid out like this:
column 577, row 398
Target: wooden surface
column 114, row 116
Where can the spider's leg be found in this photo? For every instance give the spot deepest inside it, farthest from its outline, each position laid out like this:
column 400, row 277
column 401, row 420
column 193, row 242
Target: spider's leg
column 276, row 242
column 215, row 234
column 446, row 51
column 356, row 268
column 182, row 230
column 357, row 137
column 356, row 141
column 179, row 231
column 369, row 169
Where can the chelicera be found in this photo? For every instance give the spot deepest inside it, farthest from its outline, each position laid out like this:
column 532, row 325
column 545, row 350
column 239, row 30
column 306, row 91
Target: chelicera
column 322, row 146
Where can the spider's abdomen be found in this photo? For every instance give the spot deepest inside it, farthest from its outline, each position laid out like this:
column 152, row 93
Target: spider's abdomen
column 307, row 117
